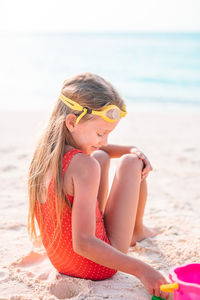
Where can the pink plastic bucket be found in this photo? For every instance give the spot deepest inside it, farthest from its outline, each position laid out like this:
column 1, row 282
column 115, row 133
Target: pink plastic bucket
column 188, row 279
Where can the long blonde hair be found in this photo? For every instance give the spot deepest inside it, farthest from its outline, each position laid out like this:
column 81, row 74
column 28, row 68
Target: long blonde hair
column 88, row 90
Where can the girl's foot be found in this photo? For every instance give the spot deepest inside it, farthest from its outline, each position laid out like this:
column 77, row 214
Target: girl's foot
column 142, row 233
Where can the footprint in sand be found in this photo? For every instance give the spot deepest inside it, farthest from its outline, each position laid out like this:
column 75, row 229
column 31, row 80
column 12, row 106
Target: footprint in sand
column 8, row 168
column 22, row 156
column 3, row 274
column 31, row 259
column 65, row 289
column 189, row 149
column 7, row 150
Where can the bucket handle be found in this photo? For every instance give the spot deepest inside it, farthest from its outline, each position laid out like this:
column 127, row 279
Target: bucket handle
column 169, row 288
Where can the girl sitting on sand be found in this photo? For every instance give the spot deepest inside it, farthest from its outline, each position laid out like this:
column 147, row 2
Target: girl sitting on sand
column 86, row 233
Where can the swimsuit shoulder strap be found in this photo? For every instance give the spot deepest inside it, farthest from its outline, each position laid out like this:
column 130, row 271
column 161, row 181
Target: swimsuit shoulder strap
column 67, row 158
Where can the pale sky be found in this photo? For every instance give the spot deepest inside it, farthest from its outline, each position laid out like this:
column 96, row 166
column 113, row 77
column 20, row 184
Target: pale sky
column 101, row 15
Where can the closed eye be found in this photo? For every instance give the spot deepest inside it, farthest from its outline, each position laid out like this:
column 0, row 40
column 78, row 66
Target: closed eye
column 100, row 135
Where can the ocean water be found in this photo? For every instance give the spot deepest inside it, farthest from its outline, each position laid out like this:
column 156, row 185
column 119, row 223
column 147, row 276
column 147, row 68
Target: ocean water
column 148, row 69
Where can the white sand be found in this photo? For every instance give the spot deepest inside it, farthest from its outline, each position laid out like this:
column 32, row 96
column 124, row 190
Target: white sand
column 170, row 140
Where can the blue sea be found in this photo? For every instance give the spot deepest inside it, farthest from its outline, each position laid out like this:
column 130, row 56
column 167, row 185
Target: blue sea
column 148, row 69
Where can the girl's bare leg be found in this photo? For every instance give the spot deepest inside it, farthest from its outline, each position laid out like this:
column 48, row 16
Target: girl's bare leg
column 139, row 231
column 121, row 208
column 104, row 160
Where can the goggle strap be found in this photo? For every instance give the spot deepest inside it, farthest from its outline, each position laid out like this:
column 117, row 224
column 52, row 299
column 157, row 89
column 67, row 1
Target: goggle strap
column 96, row 112
column 123, row 113
column 70, row 103
column 82, row 115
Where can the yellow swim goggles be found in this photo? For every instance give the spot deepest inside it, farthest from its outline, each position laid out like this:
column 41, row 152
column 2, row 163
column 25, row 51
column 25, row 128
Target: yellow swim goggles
column 109, row 113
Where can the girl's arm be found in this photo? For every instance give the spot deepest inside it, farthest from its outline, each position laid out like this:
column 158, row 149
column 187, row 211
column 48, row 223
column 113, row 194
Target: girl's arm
column 86, row 178
column 116, row 151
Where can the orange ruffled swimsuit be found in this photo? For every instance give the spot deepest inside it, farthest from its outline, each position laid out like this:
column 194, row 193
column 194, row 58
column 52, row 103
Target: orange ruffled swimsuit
column 60, row 248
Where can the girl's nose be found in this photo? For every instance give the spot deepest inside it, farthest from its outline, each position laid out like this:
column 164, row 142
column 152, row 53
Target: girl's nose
column 104, row 141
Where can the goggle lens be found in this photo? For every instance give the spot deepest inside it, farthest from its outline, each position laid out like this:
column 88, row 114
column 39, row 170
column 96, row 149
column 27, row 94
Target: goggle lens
column 113, row 114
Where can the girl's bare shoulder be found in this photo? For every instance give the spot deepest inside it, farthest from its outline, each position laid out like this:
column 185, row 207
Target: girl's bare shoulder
column 81, row 169
column 84, row 164
column 81, row 161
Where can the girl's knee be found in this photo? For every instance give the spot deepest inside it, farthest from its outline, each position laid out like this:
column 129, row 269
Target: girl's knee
column 130, row 161
column 102, row 157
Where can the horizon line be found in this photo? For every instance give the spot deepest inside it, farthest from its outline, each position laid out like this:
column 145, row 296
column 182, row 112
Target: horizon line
column 101, row 32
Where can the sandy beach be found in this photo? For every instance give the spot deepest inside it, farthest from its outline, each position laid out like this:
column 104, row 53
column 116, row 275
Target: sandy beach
column 171, row 141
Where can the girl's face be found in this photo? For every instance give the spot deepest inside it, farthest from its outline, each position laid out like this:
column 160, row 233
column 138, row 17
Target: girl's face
column 92, row 134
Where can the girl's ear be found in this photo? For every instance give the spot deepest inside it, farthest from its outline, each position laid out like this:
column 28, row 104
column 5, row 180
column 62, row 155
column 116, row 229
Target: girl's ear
column 70, row 122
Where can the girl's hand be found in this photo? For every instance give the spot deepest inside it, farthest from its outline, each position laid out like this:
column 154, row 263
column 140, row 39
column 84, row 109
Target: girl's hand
column 147, row 166
column 152, row 281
